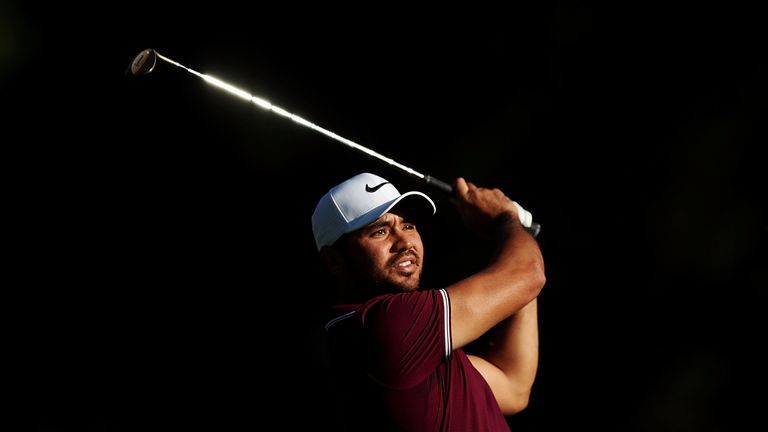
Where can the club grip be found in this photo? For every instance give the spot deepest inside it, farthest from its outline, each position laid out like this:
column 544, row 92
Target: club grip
column 525, row 216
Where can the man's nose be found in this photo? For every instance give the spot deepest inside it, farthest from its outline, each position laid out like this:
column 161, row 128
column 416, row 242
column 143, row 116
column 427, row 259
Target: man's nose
column 403, row 241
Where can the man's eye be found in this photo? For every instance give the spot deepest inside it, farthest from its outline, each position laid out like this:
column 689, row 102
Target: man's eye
column 409, row 227
column 379, row 232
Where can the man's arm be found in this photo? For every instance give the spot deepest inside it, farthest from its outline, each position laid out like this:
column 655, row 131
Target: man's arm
column 510, row 361
column 512, row 279
column 504, row 291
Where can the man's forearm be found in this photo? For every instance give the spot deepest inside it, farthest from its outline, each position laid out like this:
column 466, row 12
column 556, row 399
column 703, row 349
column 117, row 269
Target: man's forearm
column 514, row 348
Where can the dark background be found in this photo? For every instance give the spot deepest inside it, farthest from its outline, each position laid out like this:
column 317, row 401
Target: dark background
column 163, row 271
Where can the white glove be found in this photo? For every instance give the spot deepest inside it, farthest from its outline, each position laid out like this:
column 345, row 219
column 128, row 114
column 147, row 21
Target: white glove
column 526, row 218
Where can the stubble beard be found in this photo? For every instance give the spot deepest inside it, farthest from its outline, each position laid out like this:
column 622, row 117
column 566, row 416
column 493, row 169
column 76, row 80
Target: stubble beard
column 389, row 285
column 392, row 281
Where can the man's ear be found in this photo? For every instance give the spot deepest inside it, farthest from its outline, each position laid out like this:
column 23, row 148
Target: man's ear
column 332, row 260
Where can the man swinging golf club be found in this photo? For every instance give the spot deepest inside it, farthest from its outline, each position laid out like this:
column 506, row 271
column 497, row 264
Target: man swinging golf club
column 396, row 350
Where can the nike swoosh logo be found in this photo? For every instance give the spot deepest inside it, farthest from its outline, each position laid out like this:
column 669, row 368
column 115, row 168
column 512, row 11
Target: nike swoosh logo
column 375, row 188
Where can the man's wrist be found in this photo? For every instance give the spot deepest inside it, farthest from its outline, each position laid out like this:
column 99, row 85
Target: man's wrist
column 505, row 224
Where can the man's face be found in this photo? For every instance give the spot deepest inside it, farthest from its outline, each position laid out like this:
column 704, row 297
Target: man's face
column 387, row 252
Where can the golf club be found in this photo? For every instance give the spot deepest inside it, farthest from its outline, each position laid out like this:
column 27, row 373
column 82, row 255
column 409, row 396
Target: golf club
column 146, row 61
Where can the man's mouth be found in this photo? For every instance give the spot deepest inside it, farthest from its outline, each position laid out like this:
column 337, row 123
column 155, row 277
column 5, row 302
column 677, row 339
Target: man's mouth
column 406, row 264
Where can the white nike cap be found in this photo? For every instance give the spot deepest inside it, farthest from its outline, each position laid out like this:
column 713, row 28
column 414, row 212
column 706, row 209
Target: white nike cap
column 357, row 202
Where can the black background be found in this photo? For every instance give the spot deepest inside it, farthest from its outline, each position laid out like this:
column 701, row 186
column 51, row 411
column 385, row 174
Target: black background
column 163, row 271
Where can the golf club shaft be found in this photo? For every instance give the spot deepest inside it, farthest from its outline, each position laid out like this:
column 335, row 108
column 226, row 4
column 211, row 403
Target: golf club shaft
column 276, row 109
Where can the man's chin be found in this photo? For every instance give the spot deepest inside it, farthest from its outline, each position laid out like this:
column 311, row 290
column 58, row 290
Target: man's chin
column 398, row 283
column 404, row 286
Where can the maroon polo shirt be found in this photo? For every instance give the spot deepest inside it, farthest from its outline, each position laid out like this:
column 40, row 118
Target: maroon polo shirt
column 395, row 369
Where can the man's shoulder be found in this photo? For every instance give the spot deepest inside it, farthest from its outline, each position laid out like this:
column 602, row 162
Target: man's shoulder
column 400, row 304
column 406, row 303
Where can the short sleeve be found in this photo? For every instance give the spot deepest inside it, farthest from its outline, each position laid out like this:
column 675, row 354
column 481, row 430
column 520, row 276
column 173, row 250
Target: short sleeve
column 407, row 336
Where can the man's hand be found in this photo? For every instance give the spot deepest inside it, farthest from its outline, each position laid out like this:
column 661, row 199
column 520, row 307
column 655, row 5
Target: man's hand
column 482, row 208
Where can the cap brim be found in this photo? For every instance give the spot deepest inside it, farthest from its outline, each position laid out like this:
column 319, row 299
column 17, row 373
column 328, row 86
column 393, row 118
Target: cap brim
column 417, row 208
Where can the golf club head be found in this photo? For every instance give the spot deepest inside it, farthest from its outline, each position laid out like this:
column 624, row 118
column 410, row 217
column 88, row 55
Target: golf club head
column 143, row 63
